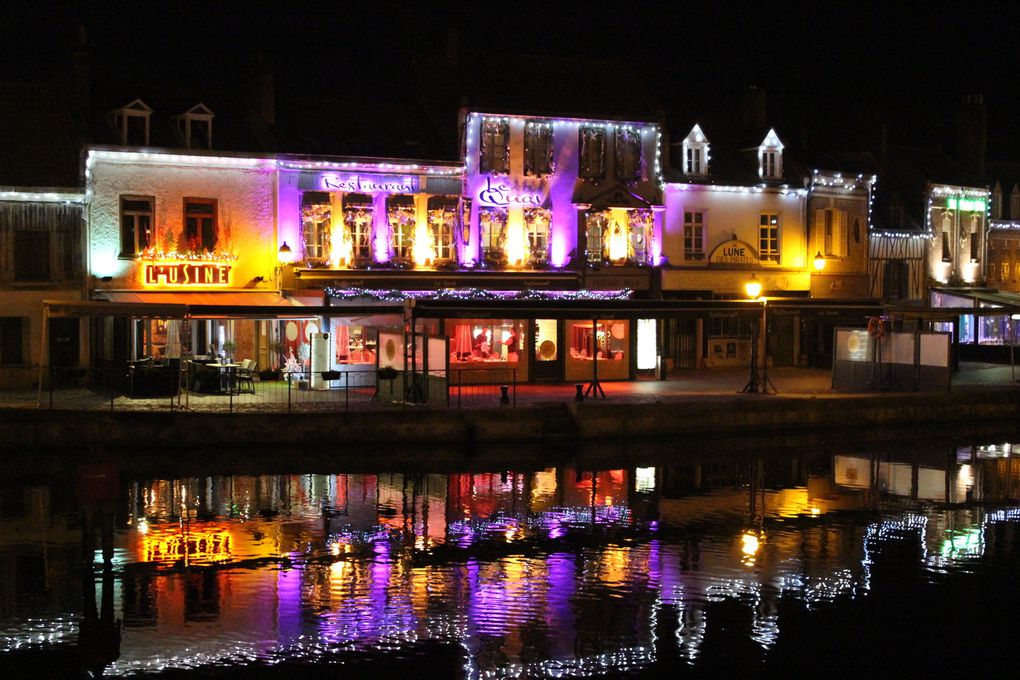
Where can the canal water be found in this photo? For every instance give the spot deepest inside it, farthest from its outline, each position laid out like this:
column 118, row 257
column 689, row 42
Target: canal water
column 899, row 561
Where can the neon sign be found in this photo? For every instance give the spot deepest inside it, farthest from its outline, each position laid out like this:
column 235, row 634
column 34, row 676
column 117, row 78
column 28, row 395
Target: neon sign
column 502, row 195
column 187, row 274
column 966, row 204
column 369, row 184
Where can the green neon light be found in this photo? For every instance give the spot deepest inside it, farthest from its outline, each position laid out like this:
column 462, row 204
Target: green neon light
column 966, row 204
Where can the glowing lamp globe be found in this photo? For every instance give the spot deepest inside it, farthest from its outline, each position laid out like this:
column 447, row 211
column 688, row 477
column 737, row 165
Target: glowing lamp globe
column 819, row 261
column 285, row 254
column 753, row 288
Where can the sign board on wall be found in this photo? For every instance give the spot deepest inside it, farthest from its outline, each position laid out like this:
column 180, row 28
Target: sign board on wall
column 187, row 274
column 359, row 182
column 734, row 251
column 501, row 192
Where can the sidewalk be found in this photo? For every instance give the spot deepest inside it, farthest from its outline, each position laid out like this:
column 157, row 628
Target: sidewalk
column 687, row 385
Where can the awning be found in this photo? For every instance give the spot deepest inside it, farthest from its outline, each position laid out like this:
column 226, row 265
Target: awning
column 230, row 298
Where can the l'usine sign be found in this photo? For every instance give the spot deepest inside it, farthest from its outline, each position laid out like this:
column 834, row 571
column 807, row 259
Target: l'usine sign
column 187, row 274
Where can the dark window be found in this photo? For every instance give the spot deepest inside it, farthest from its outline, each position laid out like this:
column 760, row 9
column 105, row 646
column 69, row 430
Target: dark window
column 11, row 340
column 135, row 224
column 592, row 157
column 538, row 149
column 947, row 254
column 628, row 155
column 896, row 284
column 200, row 224
column 31, row 256
column 495, row 146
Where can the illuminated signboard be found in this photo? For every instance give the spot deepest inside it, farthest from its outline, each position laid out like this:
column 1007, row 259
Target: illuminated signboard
column 734, row 252
column 966, row 204
column 365, row 183
column 187, row 274
column 503, row 195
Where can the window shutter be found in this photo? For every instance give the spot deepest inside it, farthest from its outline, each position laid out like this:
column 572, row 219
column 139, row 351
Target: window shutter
column 841, row 234
column 819, row 233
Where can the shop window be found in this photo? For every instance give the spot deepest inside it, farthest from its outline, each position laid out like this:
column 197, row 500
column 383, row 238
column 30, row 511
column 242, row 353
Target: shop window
column 592, row 156
column 495, row 146
column 315, row 226
column 200, row 229
column 486, row 340
column 135, row 224
column 12, row 340
column 353, row 343
column 359, row 214
column 442, row 214
column 596, row 229
column 401, row 216
column 492, row 231
column 537, row 222
column 768, row 237
column 31, row 256
column 694, row 235
column 627, row 165
column 606, row 339
column 538, row 149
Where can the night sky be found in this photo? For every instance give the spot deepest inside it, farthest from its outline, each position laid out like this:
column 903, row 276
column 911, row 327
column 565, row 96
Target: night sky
column 836, row 70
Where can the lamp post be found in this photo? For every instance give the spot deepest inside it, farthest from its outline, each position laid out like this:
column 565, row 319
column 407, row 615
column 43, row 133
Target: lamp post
column 758, row 383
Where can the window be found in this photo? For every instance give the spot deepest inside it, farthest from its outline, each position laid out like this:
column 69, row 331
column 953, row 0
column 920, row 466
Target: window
column 492, row 232
column 358, row 216
column 830, row 228
column 442, row 222
column 135, row 224
column 975, row 240
column 895, row 280
column 596, row 230
column 947, row 228
column 628, row 155
column 608, row 339
column 495, row 146
column 131, row 123
column 770, row 157
column 639, row 227
column 997, row 202
column 768, row 237
column 695, row 152
column 12, row 340
column 1014, row 203
column 592, row 156
column 538, row 149
column 486, row 340
column 401, row 215
column 195, row 127
column 31, row 256
column 537, row 220
column 694, row 235
column 200, row 224
column 315, row 225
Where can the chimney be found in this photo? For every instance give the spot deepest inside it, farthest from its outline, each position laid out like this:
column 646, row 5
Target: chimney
column 972, row 135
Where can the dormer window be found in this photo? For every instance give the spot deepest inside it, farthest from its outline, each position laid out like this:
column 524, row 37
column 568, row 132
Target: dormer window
column 695, row 150
column 1014, row 203
column 770, row 157
column 195, row 127
column 131, row 122
column 997, row 202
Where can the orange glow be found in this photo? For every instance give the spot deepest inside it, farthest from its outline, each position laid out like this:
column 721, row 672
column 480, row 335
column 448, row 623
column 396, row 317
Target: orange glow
column 422, row 252
column 161, row 545
column 516, row 243
column 617, row 243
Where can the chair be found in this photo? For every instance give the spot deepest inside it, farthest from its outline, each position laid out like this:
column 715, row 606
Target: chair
column 246, row 375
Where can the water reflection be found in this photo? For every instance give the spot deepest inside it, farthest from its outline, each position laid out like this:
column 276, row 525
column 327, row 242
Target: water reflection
column 544, row 572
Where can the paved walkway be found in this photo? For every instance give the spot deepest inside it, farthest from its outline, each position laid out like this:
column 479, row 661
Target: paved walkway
column 714, row 384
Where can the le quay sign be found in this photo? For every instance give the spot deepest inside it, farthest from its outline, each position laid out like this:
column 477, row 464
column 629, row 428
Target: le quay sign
column 734, row 251
column 187, row 274
column 503, row 194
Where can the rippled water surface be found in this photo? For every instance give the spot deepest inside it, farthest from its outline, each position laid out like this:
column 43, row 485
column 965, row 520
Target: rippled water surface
column 832, row 563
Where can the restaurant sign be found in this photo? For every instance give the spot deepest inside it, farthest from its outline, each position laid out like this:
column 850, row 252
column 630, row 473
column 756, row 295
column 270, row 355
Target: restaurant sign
column 734, row 251
column 359, row 182
column 187, row 274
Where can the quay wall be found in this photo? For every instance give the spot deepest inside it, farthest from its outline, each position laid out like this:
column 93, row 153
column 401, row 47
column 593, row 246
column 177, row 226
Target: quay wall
column 399, row 434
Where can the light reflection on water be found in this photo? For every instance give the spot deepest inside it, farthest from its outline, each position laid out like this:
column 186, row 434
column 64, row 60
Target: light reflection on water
column 544, row 573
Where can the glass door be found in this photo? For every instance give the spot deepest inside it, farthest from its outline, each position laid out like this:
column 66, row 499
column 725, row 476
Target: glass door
column 547, row 352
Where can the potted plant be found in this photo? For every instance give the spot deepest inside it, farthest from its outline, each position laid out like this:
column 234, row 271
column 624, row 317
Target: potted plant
column 229, row 346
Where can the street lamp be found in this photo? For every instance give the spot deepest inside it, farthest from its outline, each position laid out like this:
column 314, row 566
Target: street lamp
column 819, row 261
column 758, row 383
column 284, row 256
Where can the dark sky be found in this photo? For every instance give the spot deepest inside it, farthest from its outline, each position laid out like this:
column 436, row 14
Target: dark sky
column 824, row 65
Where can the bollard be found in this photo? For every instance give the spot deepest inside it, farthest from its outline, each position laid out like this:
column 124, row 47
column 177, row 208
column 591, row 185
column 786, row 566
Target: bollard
column 504, row 394
column 579, row 395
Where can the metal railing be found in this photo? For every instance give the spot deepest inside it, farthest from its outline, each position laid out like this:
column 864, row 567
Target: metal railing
column 187, row 386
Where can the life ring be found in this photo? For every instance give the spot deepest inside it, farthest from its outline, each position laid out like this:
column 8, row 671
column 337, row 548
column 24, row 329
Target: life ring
column 875, row 327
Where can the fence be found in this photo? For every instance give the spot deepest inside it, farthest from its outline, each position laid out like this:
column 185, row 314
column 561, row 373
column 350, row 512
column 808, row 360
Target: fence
column 187, row 386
